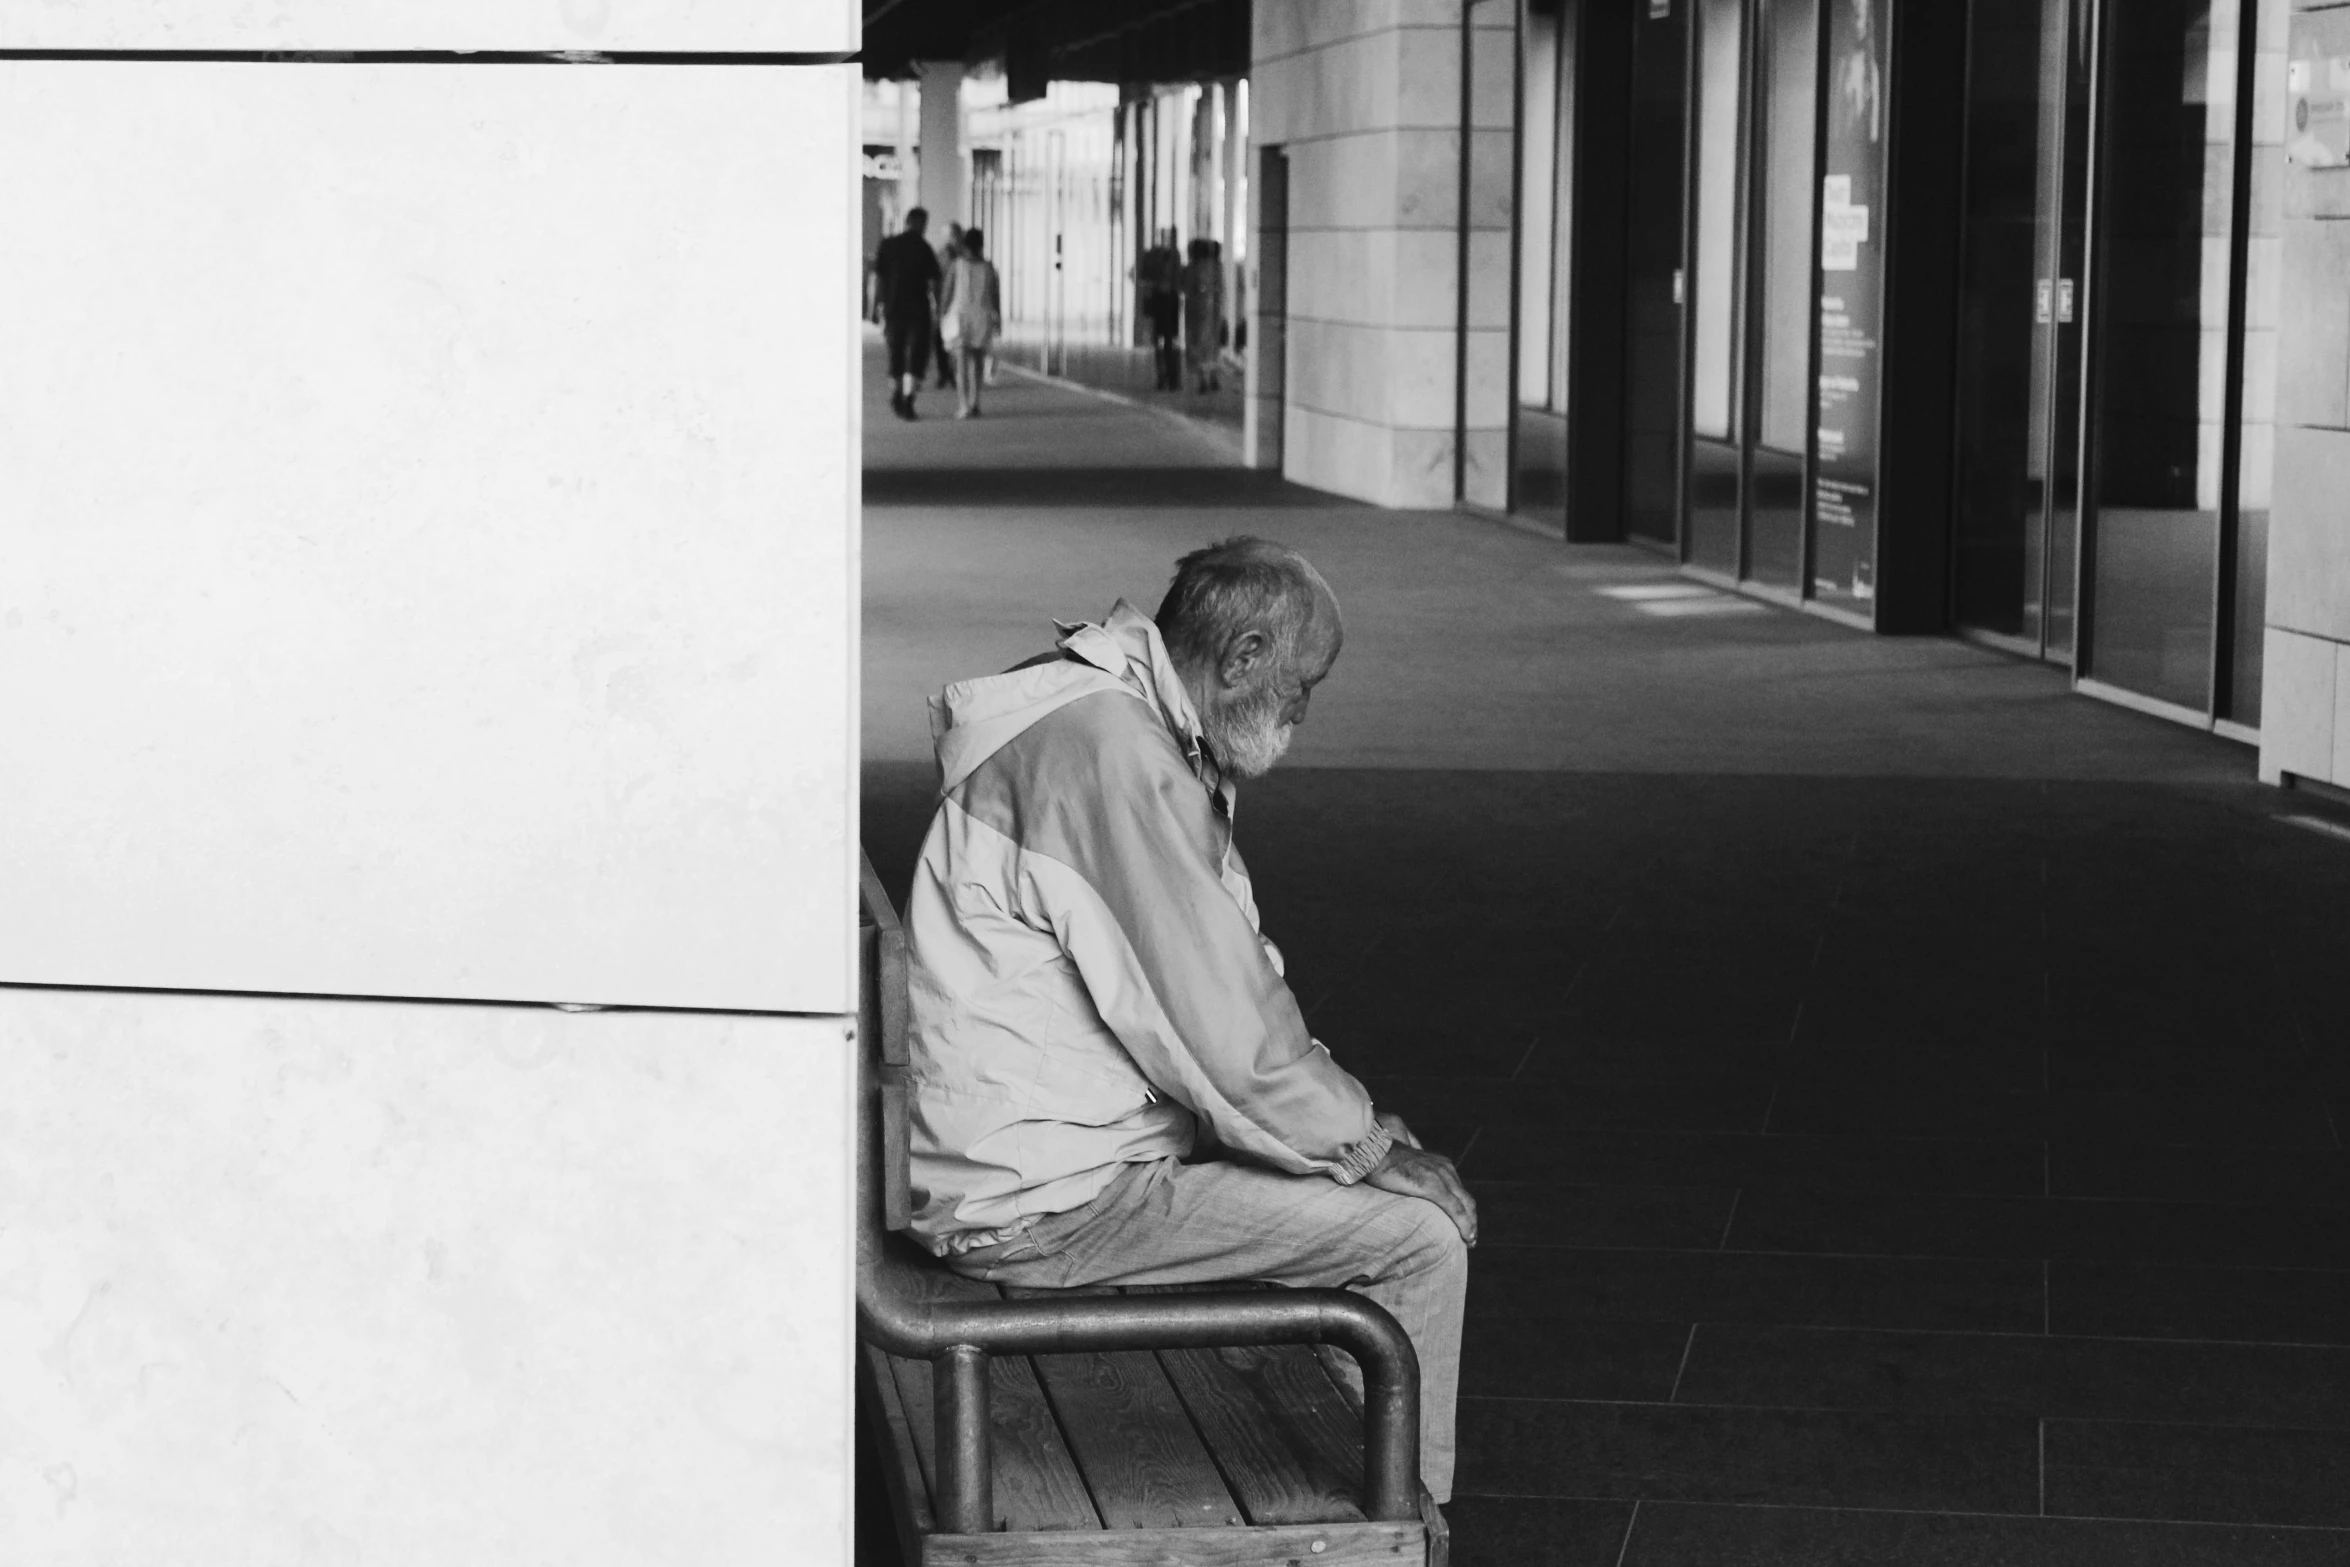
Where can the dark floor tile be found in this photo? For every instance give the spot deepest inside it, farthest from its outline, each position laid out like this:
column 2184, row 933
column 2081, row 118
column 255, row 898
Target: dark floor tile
column 2210, row 1115
column 2082, row 1378
column 1675, row 1534
column 1920, row 1065
column 1538, row 1447
column 1850, row 1109
column 2251, row 1305
column 1582, row 1057
column 1897, row 1224
column 2214, row 1474
column 1554, row 1357
column 2317, row 1177
column 1523, row 1531
column 1891, row 1224
column 1727, row 1159
column 1659, row 1218
column 2272, row 1066
column 1668, row 1286
column 2245, row 1235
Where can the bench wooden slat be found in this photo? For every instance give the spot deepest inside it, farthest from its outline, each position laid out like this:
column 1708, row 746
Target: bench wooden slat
column 1038, row 1487
column 1289, row 1440
column 1286, row 1545
column 901, row 1465
column 1133, row 1439
column 1279, row 1424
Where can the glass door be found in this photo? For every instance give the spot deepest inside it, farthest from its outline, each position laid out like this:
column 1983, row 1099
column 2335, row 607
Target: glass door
column 2021, row 308
column 1754, row 164
column 2168, row 352
column 1654, row 283
column 1717, row 262
column 1545, row 211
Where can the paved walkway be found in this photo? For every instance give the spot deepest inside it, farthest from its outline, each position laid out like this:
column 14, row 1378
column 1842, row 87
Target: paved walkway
column 1907, row 1099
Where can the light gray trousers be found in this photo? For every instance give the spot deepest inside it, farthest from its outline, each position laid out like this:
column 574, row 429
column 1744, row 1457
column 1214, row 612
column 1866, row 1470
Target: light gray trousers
column 1167, row 1222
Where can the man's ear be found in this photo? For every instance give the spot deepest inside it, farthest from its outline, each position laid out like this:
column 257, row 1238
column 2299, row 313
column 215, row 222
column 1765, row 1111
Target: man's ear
column 1243, row 656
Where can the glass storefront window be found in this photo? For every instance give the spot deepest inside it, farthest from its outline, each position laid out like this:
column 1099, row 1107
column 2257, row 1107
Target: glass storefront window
column 2263, row 220
column 1538, row 45
column 1791, row 86
column 2166, row 210
column 1714, row 257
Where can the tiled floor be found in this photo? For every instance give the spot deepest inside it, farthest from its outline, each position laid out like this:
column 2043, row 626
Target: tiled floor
column 1914, row 1137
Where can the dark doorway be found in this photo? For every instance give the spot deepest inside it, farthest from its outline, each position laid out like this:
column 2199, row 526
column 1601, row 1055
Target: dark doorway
column 1654, row 285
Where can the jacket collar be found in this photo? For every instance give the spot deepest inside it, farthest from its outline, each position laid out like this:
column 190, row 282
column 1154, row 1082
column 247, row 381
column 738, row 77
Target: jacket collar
column 1127, row 645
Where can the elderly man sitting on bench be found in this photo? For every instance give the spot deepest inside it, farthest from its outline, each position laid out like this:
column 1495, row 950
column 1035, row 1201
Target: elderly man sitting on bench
column 1112, row 1083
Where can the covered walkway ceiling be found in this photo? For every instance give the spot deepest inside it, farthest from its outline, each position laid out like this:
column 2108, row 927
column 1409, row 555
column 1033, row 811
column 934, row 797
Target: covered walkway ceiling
column 1037, row 41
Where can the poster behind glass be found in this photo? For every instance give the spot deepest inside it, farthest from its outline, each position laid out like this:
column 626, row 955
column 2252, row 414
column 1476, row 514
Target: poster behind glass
column 1844, row 470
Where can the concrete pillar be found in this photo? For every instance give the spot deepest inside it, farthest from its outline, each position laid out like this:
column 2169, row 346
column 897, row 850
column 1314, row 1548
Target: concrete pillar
column 1485, row 412
column 944, row 177
column 426, row 606
column 2305, row 697
column 1365, row 97
column 909, row 145
column 1268, row 306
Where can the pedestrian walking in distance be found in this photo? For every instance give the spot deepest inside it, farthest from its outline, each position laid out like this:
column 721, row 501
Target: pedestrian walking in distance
column 946, row 348
column 970, row 314
column 1161, row 278
column 905, row 271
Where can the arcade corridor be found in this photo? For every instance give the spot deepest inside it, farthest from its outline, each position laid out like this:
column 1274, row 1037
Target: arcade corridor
column 1906, row 1099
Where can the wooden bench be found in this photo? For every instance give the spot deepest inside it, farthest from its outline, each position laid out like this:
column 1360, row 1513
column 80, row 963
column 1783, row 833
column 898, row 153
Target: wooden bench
column 1099, row 1428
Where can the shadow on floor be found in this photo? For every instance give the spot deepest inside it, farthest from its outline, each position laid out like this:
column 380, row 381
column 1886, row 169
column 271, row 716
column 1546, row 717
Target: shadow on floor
column 1125, row 488
column 1884, row 1170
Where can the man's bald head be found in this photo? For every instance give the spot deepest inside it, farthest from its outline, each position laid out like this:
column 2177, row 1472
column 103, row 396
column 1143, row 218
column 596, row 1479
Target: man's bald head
column 1252, row 628
column 1227, row 590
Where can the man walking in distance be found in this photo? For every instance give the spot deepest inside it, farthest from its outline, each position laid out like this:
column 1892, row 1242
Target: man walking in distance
column 905, row 271
column 1112, row 1082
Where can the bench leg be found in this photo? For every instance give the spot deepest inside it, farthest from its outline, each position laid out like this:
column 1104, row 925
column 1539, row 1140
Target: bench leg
column 966, row 1478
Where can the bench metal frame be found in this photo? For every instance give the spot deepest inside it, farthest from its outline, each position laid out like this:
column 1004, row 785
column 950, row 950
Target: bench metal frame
column 895, row 1313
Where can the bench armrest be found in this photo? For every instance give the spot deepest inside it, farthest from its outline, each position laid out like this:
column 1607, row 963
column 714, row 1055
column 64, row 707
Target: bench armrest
column 897, row 1314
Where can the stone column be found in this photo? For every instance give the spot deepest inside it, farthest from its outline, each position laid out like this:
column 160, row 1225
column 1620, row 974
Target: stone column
column 427, row 788
column 1364, row 95
column 2305, row 697
column 944, row 177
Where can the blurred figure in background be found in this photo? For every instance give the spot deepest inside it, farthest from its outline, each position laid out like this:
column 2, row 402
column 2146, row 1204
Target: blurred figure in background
column 970, row 314
column 1160, row 276
column 906, row 277
column 1203, row 314
column 946, row 264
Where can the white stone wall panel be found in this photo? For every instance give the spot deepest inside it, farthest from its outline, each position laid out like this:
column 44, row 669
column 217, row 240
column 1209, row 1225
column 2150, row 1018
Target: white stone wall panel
column 428, row 558
column 611, row 26
column 296, row 1280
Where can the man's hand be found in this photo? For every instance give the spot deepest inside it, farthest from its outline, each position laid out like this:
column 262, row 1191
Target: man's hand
column 1410, row 1172
column 1395, row 1127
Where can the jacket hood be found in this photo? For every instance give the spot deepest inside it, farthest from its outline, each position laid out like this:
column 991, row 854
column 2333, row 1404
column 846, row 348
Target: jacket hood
column 973, row 719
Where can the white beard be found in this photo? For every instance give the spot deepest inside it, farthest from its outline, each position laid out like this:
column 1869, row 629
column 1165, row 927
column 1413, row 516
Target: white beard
column 1250, row 737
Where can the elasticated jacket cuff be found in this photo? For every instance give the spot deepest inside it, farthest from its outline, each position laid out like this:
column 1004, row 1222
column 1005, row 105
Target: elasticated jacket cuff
column 1363, row 1157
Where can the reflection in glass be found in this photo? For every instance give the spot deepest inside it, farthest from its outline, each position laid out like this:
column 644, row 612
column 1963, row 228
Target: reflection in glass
column 2263, row 241
column 1789, row 184
column 1538, row 85
column 1652, row 260
column 2163, row 302
column 2019, row 330
column 1714, row 288
column 1785, row 288
column 1546, row 96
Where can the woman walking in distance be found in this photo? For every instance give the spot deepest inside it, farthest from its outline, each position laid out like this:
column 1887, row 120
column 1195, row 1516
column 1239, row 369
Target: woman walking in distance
column 971, row 313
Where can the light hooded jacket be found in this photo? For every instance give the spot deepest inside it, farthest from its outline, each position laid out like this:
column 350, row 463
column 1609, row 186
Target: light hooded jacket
column 1089, row 982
